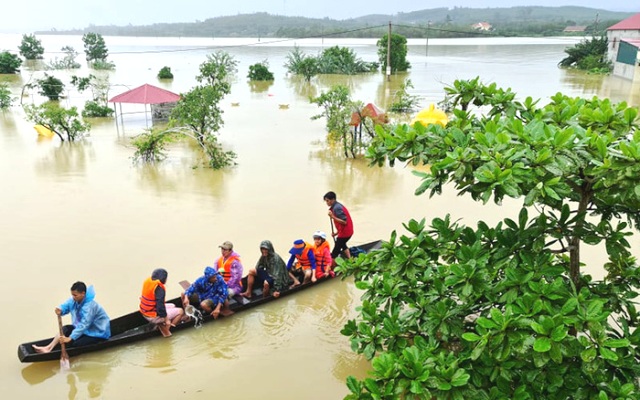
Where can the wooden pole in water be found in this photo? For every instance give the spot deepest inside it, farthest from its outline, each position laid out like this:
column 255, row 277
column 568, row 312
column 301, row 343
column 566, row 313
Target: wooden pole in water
column 389, row 53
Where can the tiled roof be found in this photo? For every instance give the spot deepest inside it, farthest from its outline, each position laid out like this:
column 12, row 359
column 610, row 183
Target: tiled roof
column 632, row 23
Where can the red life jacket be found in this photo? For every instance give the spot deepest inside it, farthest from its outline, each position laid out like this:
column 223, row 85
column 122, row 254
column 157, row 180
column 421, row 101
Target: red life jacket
column 148, row 297
column 224, row 267
column 346, row 230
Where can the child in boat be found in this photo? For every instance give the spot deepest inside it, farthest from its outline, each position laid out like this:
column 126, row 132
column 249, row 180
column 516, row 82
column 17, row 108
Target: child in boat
column 211, row 292
column 322, row 254
column 90, row 323
column 152, row 305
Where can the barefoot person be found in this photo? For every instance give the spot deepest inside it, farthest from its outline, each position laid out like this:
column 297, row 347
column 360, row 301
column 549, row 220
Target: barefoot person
column 230, row 268
column 153, row 307
column 341, row 218
column 270, row 272
column 90, row 323
column 210, row 292
column 302, row 263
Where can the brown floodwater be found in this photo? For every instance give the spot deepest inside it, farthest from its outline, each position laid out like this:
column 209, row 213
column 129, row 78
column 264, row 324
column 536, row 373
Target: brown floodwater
column 85, row 211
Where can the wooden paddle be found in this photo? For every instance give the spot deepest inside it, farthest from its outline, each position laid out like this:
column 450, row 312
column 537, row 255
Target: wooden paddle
column 64, row 357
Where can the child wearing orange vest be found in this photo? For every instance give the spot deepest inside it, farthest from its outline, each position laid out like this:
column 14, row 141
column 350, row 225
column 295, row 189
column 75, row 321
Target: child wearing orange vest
column 322, row 254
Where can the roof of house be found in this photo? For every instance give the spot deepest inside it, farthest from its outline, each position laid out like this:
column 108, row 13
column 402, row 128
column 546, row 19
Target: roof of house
column 575, row 28
column 146, row 94
column 633, row 42
column 630, row 24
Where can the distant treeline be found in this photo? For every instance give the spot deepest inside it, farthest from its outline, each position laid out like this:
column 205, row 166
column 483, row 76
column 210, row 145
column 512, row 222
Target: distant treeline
column 438, row 22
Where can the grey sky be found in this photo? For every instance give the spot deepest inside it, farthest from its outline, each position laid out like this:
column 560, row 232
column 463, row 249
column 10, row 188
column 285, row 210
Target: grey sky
column 24, row 16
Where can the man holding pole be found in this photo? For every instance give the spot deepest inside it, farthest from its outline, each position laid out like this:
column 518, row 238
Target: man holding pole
column 340, row 217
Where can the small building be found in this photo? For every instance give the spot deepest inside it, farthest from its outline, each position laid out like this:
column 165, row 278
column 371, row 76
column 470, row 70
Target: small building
column 575, row 29
column 624, row 48
column 482, row 26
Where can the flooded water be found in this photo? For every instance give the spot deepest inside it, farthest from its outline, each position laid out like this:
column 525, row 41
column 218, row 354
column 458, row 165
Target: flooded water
column 84, row 211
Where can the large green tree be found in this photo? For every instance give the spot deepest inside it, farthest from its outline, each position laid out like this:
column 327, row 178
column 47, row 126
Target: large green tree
column 31, row 47
column 398, row 59
column 508, row 311
column 9, row 63
column 95, row 47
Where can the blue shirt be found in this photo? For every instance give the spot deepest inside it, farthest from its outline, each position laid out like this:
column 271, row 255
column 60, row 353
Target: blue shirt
column 88, row 317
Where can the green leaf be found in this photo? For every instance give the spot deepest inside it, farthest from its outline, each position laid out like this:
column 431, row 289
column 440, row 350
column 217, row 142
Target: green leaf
column 570, row 305
column 589, row 354
column 608, row 354
column 616, row 343
column 559, row 333
column 471, row 337
column 486, row 323
column 542, row 344
column 460, row 378
column 354, row 385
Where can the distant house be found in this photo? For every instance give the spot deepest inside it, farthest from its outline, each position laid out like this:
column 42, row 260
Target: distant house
column 574, row 28
column 624, row 48
column 482, row 26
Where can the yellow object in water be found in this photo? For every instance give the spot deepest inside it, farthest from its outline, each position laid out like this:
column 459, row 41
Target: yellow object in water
column 431, row 115
column 43, row 131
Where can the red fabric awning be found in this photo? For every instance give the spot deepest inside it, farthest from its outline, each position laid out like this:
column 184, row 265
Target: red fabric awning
column 146, row 94
column 372, row 111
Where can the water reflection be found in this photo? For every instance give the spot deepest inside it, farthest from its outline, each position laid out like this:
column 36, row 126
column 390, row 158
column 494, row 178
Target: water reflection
column 178, row 173
column 159, row 354
column 67, row 159
column 303, row 89
column 260, row 86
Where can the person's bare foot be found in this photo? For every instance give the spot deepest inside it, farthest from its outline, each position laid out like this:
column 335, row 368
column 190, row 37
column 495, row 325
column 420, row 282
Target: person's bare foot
column 40, row 349
column 246, row 294
column 276, row 294
column 165, row 330
column 226, row 312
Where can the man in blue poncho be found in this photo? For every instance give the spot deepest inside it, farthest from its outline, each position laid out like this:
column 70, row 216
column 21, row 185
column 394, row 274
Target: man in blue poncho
column 211, row 292
column 90, row 323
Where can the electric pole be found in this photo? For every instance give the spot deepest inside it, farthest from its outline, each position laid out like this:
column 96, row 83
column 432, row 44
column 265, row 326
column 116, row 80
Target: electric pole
column 389, row 54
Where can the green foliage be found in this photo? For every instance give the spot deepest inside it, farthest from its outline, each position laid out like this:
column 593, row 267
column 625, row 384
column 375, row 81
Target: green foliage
column 404, row 102
column 9, row 63
column 165, row 73
column 65, row 123
column 93, row 109
column 343, row 60
column 260, row 72
column 103, row 65
column 31, row 47
column 5, row 96
column 67, row 62
column 588, row 55
column 299, row 63
column 506, row 311
column 398, row 59
column 51, row 87
column 337, row 107
column 151, row 145
column 95, row 47
column 198, row 111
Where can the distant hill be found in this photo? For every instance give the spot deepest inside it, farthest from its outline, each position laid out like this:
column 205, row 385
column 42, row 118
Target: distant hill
column 443, row 22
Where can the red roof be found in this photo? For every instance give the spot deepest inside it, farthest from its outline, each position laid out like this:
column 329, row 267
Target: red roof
column 630, row 24
column 146, row 94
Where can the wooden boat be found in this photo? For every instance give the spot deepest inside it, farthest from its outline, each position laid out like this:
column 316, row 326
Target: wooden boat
column 133, row 327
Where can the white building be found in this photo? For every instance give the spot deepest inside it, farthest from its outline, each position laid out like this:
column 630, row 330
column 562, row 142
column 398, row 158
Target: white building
column 624, row 48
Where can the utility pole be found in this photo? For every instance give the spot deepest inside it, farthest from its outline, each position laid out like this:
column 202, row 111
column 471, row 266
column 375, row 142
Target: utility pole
column 426, row 49
column 389, row 54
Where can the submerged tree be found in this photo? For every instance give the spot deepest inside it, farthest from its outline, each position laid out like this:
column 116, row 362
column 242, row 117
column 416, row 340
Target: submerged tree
column 31, row 47
column 260, row 72
column 96, row 51
column 9, row 63
column 65, row 123
column 403, row 102
column 398, row 58
column 99, row 86
column 50, row 87
column 508, row 311
column 5, row 96
column 67, row 62
column 588, row 55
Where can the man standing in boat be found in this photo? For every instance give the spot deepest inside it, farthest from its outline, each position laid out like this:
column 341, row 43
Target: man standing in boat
column 90, row 323
column 340, row 217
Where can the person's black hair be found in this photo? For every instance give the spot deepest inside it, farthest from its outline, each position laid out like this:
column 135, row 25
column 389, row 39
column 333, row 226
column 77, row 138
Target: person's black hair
column 160, row 274
column 79, row 287
column 329, row 196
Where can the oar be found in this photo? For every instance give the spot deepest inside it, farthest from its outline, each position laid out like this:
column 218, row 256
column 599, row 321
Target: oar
column 64, row 357
column 332, row 231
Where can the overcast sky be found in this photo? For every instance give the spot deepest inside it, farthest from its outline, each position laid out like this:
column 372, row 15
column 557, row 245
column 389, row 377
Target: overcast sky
column 24, row 16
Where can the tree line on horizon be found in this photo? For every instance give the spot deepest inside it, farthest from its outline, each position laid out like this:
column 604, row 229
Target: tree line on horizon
column 435, row 23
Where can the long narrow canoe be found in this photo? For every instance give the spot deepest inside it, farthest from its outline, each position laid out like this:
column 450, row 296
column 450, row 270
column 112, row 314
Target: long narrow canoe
column 133, row 327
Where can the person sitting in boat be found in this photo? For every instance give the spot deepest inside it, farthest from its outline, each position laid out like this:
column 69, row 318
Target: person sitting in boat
column 153, row 307
column 270, row 272
column 322, row 254
column 302, row 263
column 230, row 268
column 90, row 323
column 210, row 292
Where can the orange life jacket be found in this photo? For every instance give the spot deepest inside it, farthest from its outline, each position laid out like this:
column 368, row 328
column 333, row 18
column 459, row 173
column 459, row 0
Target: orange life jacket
column 303, row 258
column 224, row 267
column 148, row 297
column 323, row 258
